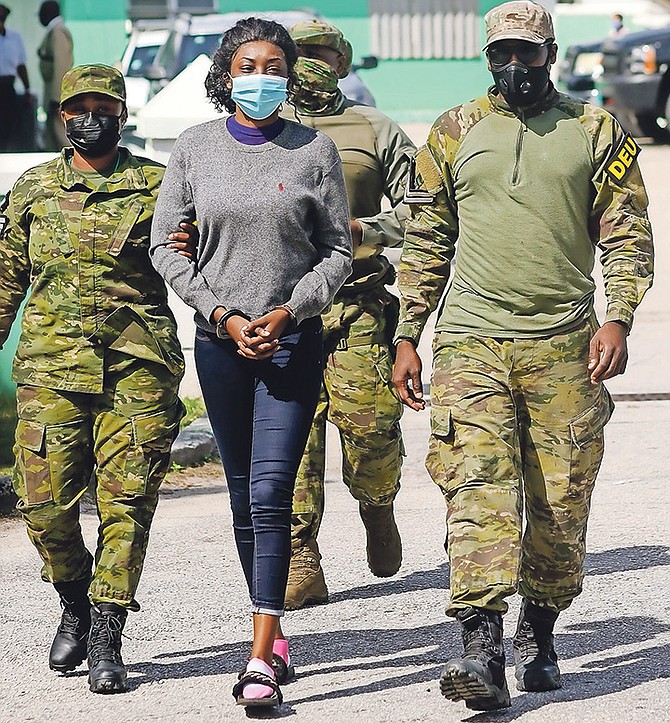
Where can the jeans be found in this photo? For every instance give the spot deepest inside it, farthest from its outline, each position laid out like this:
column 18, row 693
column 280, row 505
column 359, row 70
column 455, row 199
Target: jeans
column 261, row 413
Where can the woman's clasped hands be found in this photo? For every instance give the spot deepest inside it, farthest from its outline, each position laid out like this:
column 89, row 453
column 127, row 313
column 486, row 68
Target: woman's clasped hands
column 258, row 339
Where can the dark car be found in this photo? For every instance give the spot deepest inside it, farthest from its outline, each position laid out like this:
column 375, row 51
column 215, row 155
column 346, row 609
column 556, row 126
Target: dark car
column 579, row 70
column 635, row 84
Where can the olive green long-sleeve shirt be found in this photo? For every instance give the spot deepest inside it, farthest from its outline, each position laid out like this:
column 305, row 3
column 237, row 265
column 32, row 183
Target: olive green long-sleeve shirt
column 523, row 201
column 79, row 243
column 376, row 155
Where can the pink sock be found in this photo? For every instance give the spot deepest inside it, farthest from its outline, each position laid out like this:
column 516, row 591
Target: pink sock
column 280, row 648
column 255, row 690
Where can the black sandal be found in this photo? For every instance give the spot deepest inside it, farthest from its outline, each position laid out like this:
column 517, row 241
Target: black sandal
column 252, row 676
column 283, row 672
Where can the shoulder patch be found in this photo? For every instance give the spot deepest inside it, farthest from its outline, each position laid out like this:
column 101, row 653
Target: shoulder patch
column 422, row 190
column 621, row 161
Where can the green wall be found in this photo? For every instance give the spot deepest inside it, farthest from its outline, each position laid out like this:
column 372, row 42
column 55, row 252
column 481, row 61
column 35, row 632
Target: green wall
column 329, row 8
column 99, row 41
column 98, row 29
column 93, row 9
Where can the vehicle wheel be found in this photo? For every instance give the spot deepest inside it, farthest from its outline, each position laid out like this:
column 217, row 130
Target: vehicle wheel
column 649, row 127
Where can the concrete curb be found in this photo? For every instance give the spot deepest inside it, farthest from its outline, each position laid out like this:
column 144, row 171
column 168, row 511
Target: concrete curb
column 194, row 444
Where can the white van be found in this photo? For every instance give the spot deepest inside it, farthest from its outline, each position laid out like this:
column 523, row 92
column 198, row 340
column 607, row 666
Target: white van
column 145, row 40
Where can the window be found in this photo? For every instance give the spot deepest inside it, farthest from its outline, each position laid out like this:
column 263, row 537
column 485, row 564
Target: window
column 425, row 28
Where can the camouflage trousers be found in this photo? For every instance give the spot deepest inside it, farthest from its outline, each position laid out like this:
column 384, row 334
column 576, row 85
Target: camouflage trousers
column 515, row 424
column 356, row 397
column 122, row 436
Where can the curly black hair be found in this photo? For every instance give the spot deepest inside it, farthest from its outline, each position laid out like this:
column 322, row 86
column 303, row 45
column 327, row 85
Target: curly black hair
column 245, row 31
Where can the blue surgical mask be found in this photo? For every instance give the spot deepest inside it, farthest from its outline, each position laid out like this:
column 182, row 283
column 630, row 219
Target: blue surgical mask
column 258, row 96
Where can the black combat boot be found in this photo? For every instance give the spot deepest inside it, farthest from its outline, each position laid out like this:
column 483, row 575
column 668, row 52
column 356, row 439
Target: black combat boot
column 68, row 649
column 478, row 676
column 384, row 546
column 106, row 671
column 536, row 662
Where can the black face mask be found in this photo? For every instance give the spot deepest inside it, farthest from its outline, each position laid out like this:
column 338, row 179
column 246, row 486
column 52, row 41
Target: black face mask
column 92, row 134
column 521, row 85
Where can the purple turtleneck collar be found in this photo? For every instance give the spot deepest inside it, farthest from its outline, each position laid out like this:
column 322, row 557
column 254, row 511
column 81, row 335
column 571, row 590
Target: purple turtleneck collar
column 252, row 136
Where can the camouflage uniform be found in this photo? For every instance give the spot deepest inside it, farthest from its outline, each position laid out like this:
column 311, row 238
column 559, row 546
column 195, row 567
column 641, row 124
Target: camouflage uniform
column 514, row 416
column 358, row 330
column 98, row 362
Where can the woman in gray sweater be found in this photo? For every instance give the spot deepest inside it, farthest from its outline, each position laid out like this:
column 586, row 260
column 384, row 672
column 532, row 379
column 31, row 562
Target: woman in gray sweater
column 271, row 206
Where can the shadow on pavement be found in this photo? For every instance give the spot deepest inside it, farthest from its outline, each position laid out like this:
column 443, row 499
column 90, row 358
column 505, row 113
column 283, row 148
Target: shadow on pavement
column 324, row 649
column 639, row 557
column 438, row 578
column 612, row 675
column 621, row 559
column 426, row 649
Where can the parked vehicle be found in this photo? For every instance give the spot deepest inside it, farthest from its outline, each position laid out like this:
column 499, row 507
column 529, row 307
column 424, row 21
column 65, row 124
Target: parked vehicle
column 192, row 35
column 144, row 42
column 579, row 71
column 635, row 84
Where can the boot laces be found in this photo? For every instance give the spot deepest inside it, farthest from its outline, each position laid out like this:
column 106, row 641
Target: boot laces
column 479, row 644
column 71, row 622
column 533, row 642
column 303, row 562
column 105, row 639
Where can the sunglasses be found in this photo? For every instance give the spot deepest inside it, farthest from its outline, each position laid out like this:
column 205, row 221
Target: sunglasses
column 526, row 52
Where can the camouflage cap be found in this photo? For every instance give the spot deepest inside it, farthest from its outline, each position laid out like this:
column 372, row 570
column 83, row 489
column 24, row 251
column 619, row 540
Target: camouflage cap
column 319, row 32
column 93, row 79
column 518, row 20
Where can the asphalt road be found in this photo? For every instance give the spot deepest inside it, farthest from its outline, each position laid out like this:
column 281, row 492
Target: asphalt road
column 375, row 651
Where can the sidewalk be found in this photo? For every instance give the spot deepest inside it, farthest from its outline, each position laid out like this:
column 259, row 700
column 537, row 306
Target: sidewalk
column 374, row 653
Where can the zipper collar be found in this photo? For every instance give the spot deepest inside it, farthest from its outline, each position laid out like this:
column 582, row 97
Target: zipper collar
column 500, row 105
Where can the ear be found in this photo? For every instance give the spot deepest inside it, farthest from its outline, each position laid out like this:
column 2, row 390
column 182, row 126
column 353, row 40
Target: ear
column 341, row 65
column 553, row 51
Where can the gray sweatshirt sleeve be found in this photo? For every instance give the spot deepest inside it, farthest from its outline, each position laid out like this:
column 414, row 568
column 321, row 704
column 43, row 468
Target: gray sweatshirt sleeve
column 332, row 237
column 174, row 205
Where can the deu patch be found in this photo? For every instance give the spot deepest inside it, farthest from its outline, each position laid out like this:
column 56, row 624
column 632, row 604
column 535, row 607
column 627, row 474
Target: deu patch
column 623, row 158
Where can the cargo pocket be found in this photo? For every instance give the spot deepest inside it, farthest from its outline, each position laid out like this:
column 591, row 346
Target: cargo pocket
column 442, row 422
column 442, row 460
column 52, row 462
column 587, row 445
column 148, row 458
column 32, row 478
column 388, row 407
